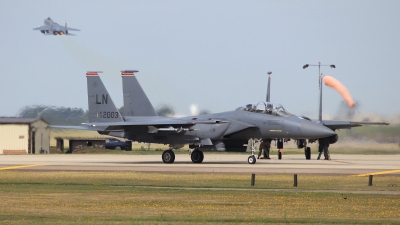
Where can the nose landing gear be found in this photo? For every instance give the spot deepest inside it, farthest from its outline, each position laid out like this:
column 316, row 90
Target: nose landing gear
column 253, row 142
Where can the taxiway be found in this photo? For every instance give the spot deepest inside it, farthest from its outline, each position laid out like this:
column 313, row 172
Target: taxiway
column 213, row 163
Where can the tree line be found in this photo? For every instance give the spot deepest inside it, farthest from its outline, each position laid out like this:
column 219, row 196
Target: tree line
column 56, row 115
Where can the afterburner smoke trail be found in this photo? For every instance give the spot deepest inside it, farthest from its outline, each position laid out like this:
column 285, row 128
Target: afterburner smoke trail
column 335, row 84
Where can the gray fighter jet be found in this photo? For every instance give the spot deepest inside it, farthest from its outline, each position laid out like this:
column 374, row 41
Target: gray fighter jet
column 219, row 131
column 52, row 28
column 323, row 143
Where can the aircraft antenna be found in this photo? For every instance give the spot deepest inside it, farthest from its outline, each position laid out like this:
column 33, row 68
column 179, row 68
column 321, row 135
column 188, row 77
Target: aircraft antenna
column 269, row 86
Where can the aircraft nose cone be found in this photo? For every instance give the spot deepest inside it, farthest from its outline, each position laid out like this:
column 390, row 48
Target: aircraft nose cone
column 315, row 130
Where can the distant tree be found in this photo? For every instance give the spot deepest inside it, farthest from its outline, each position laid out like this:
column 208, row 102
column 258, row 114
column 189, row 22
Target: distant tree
column 55, row 115
column 121, row 110
column 165, row 110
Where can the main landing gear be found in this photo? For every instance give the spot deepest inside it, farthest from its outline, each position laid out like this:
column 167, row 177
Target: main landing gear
column 168, row 156
column 197, row 156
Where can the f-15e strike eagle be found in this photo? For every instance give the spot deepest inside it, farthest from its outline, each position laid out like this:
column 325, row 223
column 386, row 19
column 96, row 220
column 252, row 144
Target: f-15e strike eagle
column 52, row 28
column 225, row 131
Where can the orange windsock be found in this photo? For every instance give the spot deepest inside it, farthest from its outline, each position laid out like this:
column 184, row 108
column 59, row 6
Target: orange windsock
column 335, row 84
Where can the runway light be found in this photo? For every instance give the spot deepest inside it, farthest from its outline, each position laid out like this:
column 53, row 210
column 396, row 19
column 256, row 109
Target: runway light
column 332, row 66
column 305, row 66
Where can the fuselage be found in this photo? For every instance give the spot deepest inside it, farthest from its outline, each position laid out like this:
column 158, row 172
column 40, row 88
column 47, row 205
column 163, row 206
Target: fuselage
column 229, row 125
column 52, row 28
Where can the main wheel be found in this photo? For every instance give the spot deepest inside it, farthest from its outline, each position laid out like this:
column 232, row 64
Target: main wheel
column 117, row 147
column 168, row 156
column 307, row 152
column 197, row 156
column 251, row 159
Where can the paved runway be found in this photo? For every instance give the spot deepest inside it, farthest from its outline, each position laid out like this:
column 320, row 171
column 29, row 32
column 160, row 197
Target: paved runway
column 213, row 163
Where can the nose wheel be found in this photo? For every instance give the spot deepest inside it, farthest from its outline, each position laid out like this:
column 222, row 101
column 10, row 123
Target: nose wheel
column 251, row 159
column 253, row 142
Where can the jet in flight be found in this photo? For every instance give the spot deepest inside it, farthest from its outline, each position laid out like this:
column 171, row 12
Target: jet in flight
column 52, row 28
column 225, row 131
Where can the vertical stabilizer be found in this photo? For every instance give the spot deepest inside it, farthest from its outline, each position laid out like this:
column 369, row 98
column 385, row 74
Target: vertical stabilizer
column 101, row 106
column 136, row 102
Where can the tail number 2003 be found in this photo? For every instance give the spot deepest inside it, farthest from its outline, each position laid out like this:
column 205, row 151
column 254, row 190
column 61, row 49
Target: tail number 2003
column 107, row 114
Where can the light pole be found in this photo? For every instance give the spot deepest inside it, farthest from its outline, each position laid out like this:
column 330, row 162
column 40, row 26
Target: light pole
column 320, row 86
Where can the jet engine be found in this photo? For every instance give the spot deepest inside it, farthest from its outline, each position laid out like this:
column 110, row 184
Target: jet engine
column 329, row 140
column 236, row 145
column 333, row 139
column 43, row 31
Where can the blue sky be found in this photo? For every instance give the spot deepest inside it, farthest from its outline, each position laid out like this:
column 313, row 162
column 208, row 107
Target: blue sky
column 215, row 54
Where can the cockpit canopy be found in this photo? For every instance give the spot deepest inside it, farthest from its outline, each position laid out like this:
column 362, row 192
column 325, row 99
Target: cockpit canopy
column 266, row 108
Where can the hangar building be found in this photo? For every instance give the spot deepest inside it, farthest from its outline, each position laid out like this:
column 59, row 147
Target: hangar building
column 24, row 135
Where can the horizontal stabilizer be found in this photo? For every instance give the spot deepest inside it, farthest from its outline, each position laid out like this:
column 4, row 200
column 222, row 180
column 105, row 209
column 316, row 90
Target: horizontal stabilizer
column 144, row 121
column 73, row 29
column 82, row 127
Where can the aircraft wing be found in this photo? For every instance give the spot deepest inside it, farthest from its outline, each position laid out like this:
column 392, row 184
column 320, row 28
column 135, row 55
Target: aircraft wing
column 146, row 121
column 69, row 28
column 341, row 124
column 42, row 28
column 166, row 124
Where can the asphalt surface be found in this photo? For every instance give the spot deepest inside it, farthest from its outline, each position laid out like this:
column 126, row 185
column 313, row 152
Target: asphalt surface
column 362, row 165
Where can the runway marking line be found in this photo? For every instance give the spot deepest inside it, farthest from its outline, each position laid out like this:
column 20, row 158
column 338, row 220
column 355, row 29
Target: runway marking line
column 378, row 173
column 19, row 167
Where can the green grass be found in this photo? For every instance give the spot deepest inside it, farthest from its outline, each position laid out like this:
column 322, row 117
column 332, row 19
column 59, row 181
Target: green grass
column 124, row 198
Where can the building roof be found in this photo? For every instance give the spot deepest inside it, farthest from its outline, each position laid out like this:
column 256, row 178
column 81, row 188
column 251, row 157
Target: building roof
column 18, row 120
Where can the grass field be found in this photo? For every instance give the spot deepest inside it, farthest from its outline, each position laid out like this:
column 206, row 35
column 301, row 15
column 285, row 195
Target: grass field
column 133, row 198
